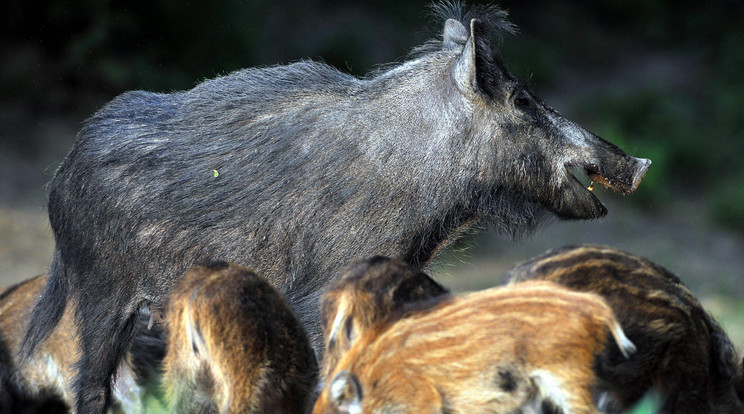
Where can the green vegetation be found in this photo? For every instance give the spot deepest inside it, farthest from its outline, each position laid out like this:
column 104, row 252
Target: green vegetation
column 686, row 114
column 694, row 133
column 649, row 405
column 154, row 405
column 71, row 57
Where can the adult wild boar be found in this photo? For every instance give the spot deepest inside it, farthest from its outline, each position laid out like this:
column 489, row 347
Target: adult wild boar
column 296, row 171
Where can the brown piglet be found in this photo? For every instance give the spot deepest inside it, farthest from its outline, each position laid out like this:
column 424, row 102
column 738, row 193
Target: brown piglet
column 370, row 291
column 235, row 346
column 499, row 350
column 683, row 355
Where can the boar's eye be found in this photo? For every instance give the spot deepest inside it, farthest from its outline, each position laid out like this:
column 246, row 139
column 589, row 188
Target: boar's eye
column 521, row 101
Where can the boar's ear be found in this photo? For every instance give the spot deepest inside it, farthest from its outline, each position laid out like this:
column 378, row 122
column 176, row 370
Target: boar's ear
column 346, row 393
column 471, row 61
column 455, row 34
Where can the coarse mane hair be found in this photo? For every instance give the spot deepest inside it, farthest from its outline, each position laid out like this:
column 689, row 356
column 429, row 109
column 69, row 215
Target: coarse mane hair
column 493, row 20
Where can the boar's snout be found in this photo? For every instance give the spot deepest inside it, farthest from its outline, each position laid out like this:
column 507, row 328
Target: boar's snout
column 640, row 172
column 607, row 165
column 571, row 149
column 624, row 176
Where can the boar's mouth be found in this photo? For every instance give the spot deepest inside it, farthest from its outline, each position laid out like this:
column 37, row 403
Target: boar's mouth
column 621, row 186
column 581, row 201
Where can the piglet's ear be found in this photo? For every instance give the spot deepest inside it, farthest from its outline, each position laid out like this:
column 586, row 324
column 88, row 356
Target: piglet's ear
column 346, row 393
column 415, row 288
column 342, row 334
column 455, row 34
column 465, row 70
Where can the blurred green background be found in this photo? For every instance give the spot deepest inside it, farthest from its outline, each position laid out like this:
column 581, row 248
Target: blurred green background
column 663, row 79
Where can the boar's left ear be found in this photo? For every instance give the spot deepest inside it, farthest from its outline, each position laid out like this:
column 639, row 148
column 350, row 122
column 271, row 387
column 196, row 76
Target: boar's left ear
column 472, row 71
column 346, row 393
column 455, row 34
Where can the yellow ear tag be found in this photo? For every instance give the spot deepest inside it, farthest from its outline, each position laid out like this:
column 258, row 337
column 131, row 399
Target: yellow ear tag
column 215, row 173
column 590, row 188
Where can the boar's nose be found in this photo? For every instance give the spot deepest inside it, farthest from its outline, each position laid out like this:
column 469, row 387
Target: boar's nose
column 623, row 176
column 641, row 166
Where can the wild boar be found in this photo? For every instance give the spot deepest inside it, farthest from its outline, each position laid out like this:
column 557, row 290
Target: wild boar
column 500, row 350
column 683, row 353
column 235, row 346
column 368, row 292
column 295, row 169
column 44, row 384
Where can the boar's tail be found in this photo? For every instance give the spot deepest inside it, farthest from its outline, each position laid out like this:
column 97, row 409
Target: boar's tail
column 47, row 311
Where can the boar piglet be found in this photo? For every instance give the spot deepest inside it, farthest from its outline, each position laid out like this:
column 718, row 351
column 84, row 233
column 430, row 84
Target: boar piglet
column 683, row 353
column 44, row 384
column 495, row 351
column 235, row 346
column 295, row 169
column 370, row 291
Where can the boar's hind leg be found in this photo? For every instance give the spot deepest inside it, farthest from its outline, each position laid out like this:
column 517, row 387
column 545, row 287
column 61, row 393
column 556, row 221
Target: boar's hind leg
column 105, row 338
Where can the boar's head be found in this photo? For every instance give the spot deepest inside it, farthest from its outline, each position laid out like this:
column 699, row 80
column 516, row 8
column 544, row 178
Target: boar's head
column 525, row 146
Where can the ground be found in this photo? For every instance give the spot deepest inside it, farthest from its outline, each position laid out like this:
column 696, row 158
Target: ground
column 708, row 259
column 682, row 238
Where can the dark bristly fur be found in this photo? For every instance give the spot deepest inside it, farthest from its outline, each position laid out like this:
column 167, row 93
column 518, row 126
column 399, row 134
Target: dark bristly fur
column 234, row 346
column 314, row 169
column 370, row 291
column 683, row 353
